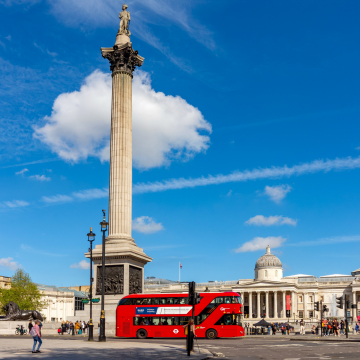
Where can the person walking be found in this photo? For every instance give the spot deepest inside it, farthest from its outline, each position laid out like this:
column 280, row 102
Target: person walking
column 302, row 327
column 191, row 329
column 67, row 327
column 99, row 328
column 36, row 334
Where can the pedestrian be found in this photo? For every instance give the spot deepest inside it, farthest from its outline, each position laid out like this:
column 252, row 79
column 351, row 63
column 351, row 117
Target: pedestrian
column 30, row 326
column 68, row 327
column 191, row 329
column 72, row 328
column 356, row 329
column 40, row 326
column 302, row 327
column 63, row 328
column 36, row 334
column 77, row 327
column 269, row 328
column 83, row 327
column 99, row 328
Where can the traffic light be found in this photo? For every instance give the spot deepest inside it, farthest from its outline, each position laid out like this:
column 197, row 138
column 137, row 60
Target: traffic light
column 325, row 309
column 197, row 298
column 340, row 302
column 316, row 306
column 191, row 292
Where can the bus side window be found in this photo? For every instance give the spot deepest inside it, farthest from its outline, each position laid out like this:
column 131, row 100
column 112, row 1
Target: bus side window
column 228, row 300
column 139, row 321
column 169, row 300
column 176, row 301
column 155, row 301
column 175, row 320
column 163, row 301
column 154, row 320
column 184, row 320
column 184, row 300
column 219, row 300
column 146, row 301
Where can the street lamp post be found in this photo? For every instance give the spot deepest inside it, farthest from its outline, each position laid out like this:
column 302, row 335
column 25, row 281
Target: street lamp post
column 91, row 238
column 104, row 226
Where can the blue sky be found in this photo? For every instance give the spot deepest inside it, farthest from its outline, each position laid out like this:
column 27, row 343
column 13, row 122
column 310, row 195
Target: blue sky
column 245, row 127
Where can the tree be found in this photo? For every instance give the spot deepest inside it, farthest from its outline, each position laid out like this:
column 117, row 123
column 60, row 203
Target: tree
column 23, row 292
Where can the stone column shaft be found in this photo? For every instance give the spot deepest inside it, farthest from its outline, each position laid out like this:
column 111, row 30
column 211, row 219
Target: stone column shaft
column 293, row 303
column 275, row 304
column 267, row 304
column 284, row 304
column 120, row 187
column 354, row 301
column 258, row 304
column 250, row 305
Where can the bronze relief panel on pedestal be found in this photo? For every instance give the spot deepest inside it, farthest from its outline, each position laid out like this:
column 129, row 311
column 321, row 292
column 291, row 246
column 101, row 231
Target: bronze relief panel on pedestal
column 135, row 280
column 114, row 280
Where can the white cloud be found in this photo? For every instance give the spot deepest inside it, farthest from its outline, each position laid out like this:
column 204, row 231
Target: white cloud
column 277, row 193
column 56, row 199
column 83, row 264
column 229, row 193
column 259, row 243
column 146, row 225
column 22, row 172
column 164, row 127
column 255, row 174
column 16, row 203
column 9, row 263
column 40, row 177
column 261, row 220
column 91, row 194
column 357, row 148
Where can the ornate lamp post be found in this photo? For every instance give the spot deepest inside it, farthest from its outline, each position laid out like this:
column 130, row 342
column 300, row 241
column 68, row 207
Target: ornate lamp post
column 104, row 226
column 91, row 238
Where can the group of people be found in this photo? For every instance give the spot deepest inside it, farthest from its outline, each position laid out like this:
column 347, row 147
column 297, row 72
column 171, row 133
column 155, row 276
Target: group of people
column 285, row 328
column 78, row 327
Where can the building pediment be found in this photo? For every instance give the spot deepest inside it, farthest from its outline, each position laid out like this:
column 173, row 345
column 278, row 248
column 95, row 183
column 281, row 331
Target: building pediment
column 264, row 284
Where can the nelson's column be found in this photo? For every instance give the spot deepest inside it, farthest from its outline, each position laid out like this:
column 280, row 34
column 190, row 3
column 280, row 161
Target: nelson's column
column 124, row 269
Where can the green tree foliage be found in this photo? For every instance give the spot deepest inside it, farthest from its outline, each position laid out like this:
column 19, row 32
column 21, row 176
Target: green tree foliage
column 23, row 292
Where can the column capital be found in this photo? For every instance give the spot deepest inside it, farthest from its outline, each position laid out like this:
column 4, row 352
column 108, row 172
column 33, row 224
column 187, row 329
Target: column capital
column 122, row 58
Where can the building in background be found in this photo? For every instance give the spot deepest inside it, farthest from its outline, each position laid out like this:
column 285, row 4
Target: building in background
column 62, row 302
column 5, row 282
column 278, row 298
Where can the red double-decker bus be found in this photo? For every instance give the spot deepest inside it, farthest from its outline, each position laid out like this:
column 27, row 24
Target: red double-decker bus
column 164, row 315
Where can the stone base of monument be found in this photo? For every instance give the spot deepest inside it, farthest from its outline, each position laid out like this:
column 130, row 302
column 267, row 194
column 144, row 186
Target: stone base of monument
column 9, row 327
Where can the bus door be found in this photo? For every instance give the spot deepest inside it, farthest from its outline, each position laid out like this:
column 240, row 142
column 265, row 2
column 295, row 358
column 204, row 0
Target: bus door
column 227, row 324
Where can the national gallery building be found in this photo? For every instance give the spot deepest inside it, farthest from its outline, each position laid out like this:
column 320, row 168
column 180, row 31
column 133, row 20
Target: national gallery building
column 277, row 298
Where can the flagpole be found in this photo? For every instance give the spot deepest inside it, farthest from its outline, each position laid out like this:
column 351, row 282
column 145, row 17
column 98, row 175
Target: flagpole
column 179, row 272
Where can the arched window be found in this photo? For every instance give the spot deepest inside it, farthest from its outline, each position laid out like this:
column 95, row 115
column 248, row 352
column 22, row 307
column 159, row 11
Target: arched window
column 265, row 273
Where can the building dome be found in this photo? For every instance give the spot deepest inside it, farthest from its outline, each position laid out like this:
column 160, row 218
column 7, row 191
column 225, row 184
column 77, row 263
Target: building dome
column 268, row 260
column 268, row 267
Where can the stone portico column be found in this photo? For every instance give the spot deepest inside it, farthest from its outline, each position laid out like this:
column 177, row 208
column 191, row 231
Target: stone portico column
column 250, row 304
column 258, row 314
column 284, row 304
column 354, row 301
column 267, row 304
column 293, row 303
column 275, row 305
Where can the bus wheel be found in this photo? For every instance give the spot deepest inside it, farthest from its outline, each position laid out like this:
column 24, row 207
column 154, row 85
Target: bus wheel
column 141, row 334
column 211, row 334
